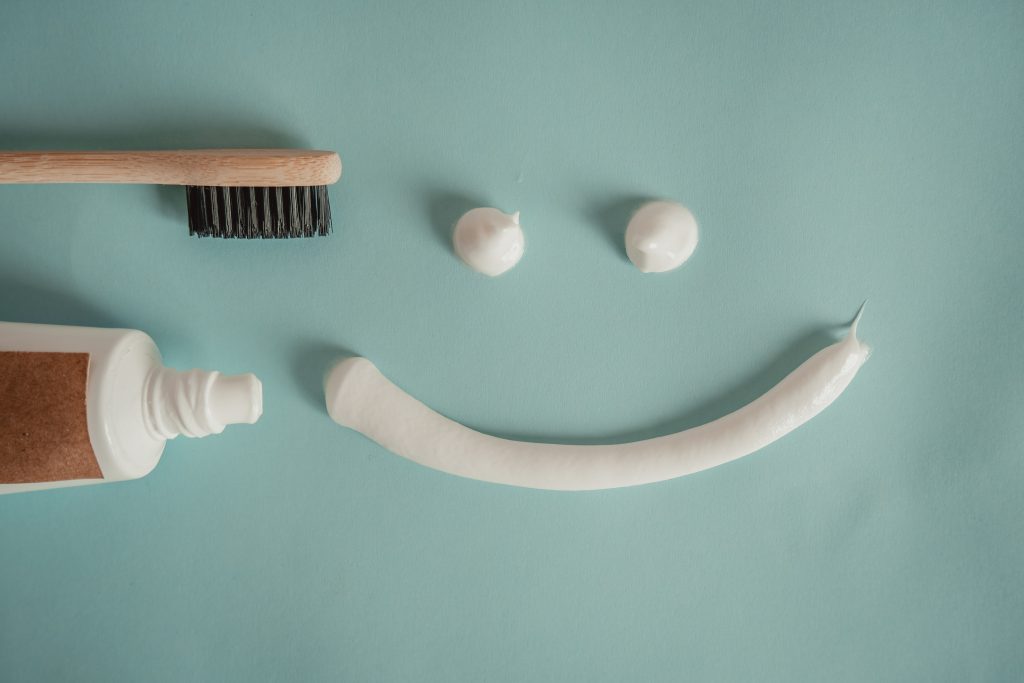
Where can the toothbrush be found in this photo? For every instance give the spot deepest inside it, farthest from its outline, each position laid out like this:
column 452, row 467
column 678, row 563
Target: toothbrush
column 237, row 193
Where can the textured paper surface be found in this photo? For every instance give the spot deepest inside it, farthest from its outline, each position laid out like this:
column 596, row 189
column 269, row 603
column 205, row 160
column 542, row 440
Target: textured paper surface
column 831, row 150
column 44, row 433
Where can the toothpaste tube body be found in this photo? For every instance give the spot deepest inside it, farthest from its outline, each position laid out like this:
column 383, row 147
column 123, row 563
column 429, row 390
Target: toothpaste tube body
column 85, row 405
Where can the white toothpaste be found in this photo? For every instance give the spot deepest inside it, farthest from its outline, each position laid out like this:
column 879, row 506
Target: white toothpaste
column 661, row 236
column 361, row 398
column 489, row 241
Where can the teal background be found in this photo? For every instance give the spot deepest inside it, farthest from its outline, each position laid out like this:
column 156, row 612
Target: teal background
column 832, row 152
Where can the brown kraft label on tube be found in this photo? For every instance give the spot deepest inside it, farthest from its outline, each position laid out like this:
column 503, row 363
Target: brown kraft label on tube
column 44, row 434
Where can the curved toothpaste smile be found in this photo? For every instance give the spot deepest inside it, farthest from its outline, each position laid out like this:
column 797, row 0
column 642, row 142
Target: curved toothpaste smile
column 361, row 398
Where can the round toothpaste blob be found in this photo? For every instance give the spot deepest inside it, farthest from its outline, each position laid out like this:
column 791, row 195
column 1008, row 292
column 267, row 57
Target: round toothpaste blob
column 488, row 240
column 661, row 236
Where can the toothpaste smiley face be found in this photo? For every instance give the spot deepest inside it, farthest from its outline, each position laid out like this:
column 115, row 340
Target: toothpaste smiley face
column 361, row 398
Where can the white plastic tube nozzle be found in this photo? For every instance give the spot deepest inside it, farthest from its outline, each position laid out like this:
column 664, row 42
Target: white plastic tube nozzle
column 199, row 402
column 236, row 399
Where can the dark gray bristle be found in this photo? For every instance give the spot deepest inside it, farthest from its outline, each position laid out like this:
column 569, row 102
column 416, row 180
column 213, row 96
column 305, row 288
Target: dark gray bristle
column 258, row 212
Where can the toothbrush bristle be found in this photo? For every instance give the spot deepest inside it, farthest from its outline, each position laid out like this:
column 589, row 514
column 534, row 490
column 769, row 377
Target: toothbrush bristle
column 258, row 212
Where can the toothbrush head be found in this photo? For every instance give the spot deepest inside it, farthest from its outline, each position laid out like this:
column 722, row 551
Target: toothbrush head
column 258, row 212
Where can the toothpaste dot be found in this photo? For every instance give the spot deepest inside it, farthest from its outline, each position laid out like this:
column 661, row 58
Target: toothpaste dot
column 489, row 241
column 661, row 236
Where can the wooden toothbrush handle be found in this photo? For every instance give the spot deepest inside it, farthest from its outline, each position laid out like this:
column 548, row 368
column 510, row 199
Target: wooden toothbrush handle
column 219, row 167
